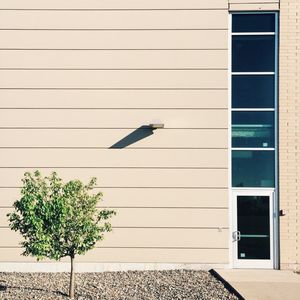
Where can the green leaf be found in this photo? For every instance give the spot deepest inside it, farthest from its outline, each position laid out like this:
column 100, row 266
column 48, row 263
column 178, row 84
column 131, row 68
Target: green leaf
column 58, row 219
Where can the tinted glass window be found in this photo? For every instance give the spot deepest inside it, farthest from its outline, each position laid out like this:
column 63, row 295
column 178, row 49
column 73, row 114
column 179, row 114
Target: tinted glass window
column 253, row 91
column 253, row 23
column 254, row 53
column 253, row 168
column 253, row 221
column 253, row 129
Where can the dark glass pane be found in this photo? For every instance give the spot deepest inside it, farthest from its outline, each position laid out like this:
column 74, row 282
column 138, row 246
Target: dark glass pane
column 253, row 91
column 253, row 221
column 253, row 53
column 253, row 23
column 253, row 129
column 253, row 168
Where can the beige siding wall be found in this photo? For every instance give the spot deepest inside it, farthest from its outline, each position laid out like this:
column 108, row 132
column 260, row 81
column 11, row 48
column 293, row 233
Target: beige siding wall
column 254, row 5
column 76, row 77
column 114, row 4
column 289, row 130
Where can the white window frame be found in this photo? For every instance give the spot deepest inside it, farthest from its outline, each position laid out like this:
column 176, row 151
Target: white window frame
column 232, row 190
column 254, row 263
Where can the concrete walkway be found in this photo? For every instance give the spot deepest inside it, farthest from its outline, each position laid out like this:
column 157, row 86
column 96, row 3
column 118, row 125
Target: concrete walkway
column 263, row 284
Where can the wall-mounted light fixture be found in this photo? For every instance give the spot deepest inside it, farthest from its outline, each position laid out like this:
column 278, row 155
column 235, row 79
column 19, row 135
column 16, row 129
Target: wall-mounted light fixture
column 157, row 125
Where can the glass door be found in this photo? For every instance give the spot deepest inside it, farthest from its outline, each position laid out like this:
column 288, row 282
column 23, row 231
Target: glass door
column 252, row 234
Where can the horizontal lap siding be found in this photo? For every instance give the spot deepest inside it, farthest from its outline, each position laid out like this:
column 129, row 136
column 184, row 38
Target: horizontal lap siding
column 254, row 5
column 147, row 98
column 78, row 79
column 116, row 118
column 107, row 59
column 131, row 177
column 114, row 40
column 126, row 19
column 135, row 255
column 153, row 197
column 114, row 4
column 106, row 138
column 114, row 158
column 110, row 79
column 148, row 238
column 164, row 217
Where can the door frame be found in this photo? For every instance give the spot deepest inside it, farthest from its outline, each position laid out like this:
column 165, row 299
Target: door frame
column 254, row 263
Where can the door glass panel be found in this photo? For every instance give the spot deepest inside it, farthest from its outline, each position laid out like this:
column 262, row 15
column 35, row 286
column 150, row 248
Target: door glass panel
column 253, row 129
column 253, row 22
column 253, row 53
column 253, row 91
column 253, row 222
column 253, row 168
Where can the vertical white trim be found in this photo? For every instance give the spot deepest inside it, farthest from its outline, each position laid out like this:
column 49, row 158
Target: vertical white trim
column 230, row 208
column 252, row 73
column 253, row 109
column 276, row 132
column 253, row 149
column 253, row 33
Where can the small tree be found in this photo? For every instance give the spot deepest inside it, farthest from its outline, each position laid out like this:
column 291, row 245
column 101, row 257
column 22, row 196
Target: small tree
column 58, row 219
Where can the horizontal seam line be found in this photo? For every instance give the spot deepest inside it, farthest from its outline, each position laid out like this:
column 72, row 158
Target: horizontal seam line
column 117, row 128
column 112, row 49
column 152, row 207
column 125, row 50
column 110, row 128
column 116, row 187
column 119, row 167
column 107, row 148
column 114, row 262
column 113, row 29
column 114, row 69
column 127, row 149
column 108, row 89
column 208, row 248
column 160, row 227
column 142, row 247
column 145, row 187
column 118, row 261
column 111, row 9
column 115, row 108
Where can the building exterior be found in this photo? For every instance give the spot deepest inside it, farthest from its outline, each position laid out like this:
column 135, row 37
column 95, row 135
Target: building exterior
column 219, row 185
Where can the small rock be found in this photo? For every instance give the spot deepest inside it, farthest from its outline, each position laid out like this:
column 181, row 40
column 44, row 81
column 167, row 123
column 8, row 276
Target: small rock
column 131, row 285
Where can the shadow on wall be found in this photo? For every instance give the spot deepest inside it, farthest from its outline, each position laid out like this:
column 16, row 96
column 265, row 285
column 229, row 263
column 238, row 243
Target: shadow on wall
column 135, row 136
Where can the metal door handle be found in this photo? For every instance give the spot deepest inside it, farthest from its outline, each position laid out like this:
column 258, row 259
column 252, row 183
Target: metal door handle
column 236, row 235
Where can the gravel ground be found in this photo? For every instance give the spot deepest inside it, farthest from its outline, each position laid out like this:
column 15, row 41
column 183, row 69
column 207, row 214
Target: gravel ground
column 133, row 285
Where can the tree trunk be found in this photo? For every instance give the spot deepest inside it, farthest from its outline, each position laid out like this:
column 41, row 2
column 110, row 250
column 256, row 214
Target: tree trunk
column 72, row 279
